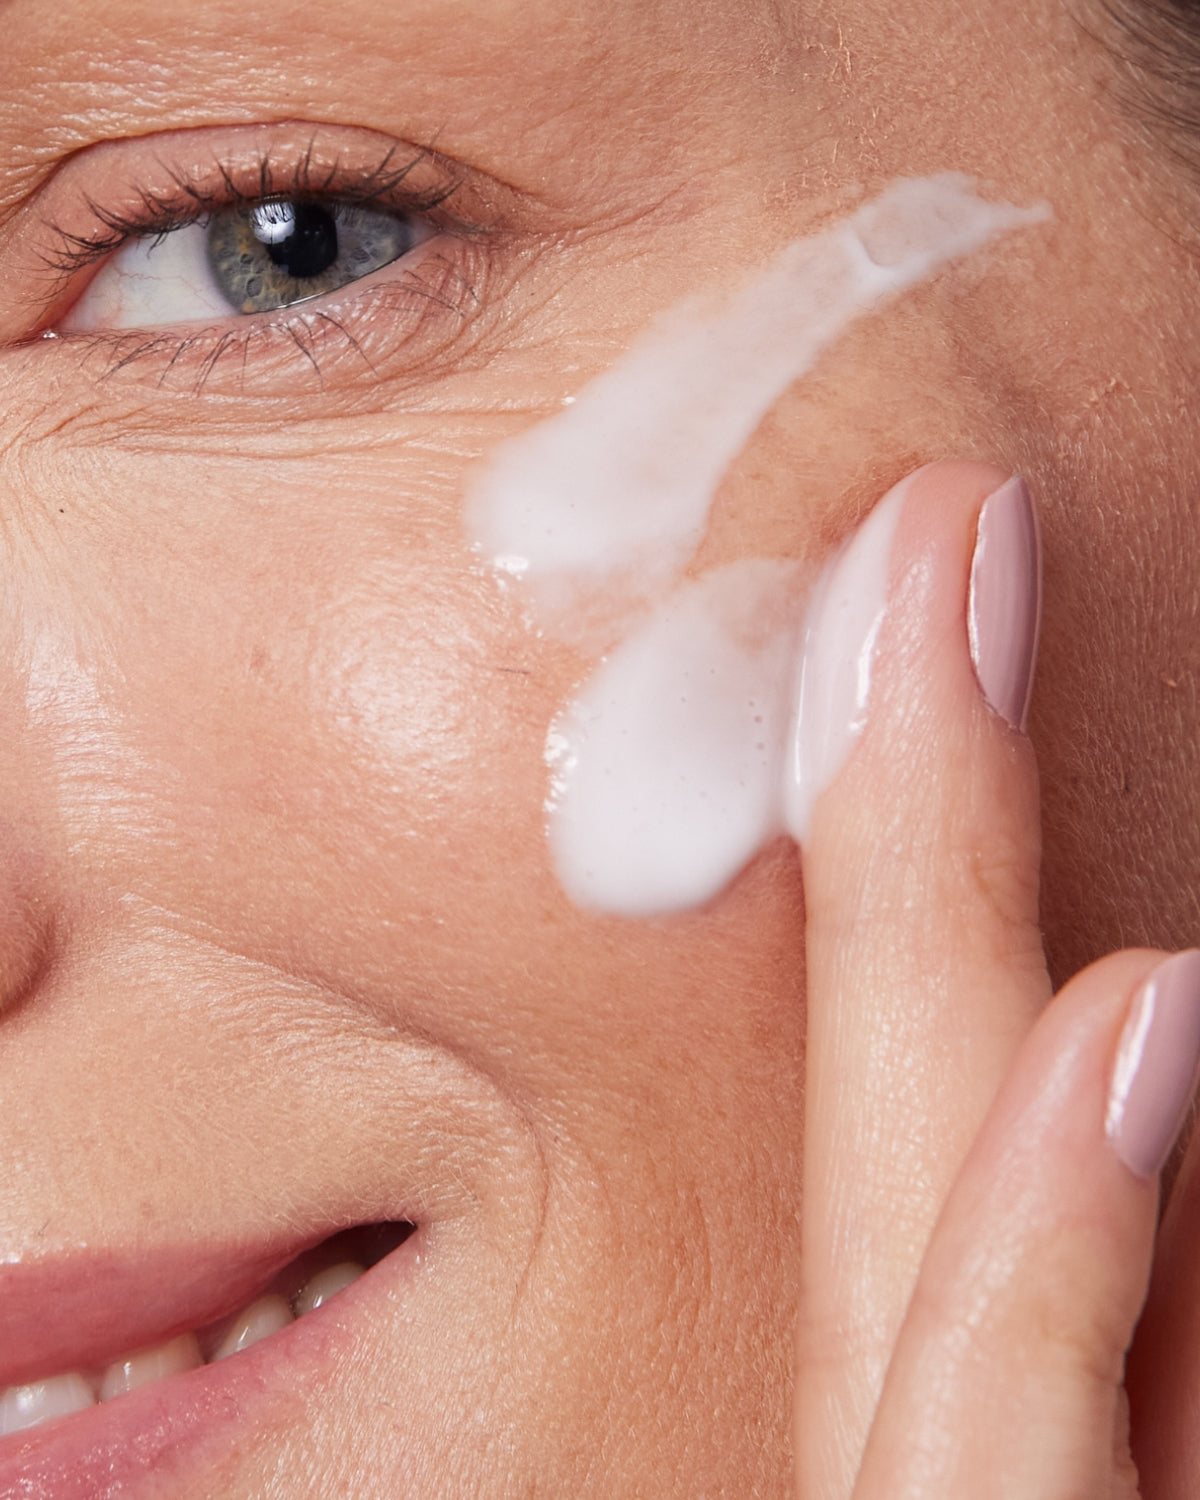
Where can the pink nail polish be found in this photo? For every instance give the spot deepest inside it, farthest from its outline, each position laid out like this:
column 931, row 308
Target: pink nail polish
column 1158, row 1060
column 1004, row 611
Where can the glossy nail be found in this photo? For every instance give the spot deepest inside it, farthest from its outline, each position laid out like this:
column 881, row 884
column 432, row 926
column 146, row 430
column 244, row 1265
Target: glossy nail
column 1158, row 1059
column 1004, row 611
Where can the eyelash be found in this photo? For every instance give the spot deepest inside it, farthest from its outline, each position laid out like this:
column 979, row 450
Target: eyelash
column 381, row 187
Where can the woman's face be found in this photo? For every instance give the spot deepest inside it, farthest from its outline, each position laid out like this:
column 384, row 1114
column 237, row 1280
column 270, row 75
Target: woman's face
column 282, row 950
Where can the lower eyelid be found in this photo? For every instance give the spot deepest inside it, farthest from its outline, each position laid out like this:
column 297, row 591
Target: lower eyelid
column 140, row 286
column 403, row 323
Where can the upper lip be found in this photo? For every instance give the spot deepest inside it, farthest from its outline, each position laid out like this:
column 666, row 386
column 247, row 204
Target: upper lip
column 87, row 1308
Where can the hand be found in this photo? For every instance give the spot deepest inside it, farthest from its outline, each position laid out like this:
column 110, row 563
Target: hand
column 980, row 1198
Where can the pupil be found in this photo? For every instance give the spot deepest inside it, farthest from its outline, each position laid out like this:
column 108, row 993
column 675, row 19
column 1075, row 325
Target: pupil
column 309, row 241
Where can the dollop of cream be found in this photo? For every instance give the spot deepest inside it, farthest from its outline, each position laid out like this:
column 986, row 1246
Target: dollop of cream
column 728, row 704
column 667, row 770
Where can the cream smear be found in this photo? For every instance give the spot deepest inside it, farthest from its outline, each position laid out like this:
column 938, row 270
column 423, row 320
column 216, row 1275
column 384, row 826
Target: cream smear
column 666, row 770
column 711, row 728
column 714, row 723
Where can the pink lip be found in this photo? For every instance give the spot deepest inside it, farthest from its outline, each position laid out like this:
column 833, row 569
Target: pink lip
column 86, row 1309
column 182, row 1426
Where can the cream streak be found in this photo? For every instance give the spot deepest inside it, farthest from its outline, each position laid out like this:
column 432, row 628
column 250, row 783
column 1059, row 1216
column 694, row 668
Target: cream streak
column 699, row 737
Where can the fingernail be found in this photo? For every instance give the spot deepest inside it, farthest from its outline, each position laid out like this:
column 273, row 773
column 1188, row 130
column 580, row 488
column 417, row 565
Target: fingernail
column 1158, row 1059
column 836, row 660
column 1004, row 612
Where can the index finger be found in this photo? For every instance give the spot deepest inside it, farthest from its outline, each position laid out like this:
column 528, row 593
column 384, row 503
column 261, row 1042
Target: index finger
column 925, row 967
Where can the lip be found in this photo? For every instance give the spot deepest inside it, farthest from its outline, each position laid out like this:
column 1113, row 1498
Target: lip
column 181, row 1426
column 85, row 1309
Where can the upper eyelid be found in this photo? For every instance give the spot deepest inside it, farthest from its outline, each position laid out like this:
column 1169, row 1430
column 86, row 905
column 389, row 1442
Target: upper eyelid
column 162, row 212
column 188, row 204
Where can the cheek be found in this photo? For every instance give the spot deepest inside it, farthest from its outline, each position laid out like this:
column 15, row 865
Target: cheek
column 317, row 738
column 277, row 725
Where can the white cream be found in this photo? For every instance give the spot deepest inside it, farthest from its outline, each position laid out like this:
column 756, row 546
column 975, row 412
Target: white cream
column 621, row 481
column 715, row 725
column 664, row 783
column 666, row 771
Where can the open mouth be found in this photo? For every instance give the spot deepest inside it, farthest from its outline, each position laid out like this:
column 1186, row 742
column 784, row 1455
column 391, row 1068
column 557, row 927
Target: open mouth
column 304, row 1284
column 120, row 1404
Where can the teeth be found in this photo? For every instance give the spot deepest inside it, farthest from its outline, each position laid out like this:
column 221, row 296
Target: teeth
column 23, row 1406
column 259, row 1321
column 148, row 1365
column 326, row 1284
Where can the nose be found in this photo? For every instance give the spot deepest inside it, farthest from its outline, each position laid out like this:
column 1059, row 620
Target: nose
column 27, row 888
column 26, row 916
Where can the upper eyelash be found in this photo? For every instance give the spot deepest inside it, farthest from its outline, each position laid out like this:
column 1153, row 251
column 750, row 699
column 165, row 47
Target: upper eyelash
column 159, row 214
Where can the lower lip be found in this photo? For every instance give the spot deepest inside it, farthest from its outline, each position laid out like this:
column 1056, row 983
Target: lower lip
column 137, row 1445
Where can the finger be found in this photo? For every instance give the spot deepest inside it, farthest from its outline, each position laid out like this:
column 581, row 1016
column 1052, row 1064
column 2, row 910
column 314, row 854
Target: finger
column 924, row 958
column 1006, row 1377
column 1164, row 1364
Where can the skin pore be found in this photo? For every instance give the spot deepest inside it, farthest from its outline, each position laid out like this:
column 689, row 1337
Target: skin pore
column 280, row 944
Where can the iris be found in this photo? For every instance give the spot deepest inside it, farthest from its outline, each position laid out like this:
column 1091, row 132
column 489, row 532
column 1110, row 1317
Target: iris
column 268, row 255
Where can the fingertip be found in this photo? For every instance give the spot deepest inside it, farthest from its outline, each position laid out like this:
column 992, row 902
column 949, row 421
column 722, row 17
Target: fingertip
column 1155, row 1072
column 931, row 769
column 972, row 531
column 926, row 523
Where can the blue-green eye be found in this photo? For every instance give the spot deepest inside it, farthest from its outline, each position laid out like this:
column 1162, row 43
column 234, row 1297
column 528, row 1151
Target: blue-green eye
column 282, row 251
column 254, row 258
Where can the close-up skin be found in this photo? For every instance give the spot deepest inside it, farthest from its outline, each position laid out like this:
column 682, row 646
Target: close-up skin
column 294, row 971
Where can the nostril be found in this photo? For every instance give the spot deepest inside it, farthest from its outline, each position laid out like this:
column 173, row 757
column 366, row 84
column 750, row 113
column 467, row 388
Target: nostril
column 26, row 926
